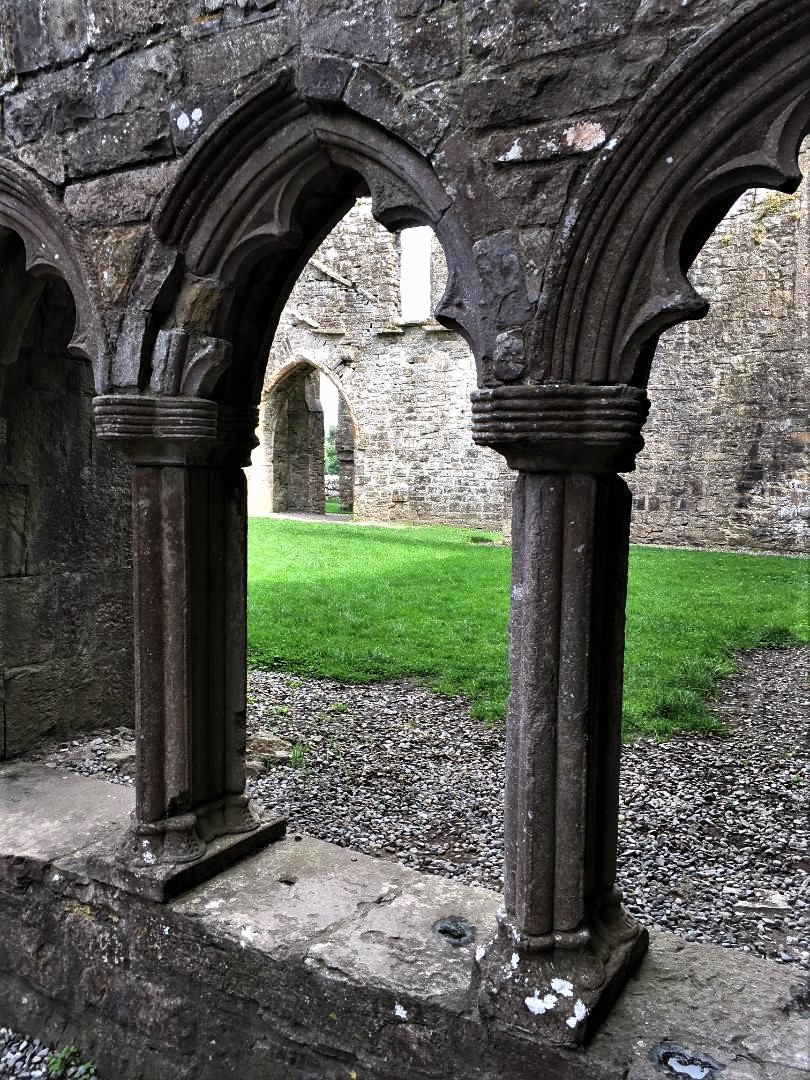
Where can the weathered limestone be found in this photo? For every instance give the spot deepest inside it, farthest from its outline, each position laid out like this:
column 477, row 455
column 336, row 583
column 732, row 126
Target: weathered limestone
column 562, row 924
column 190, row 579
column 310, row 962
column 572, row 164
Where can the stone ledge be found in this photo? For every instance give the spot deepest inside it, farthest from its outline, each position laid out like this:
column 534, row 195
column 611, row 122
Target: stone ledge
column 310, row 961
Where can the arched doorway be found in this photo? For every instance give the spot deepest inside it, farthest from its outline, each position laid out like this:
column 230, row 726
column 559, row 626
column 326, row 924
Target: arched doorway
column 305, row 455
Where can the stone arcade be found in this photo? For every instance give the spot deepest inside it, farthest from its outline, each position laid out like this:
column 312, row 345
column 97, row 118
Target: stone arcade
column 724, row 462
column 175, row 170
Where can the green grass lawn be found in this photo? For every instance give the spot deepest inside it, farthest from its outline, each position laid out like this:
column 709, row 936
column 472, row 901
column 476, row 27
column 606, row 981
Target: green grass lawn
column 359, row 604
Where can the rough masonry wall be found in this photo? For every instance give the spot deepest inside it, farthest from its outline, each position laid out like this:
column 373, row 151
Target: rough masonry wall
column 65, row 569
column 407, row 385
column 295, row 439
column 725, row 459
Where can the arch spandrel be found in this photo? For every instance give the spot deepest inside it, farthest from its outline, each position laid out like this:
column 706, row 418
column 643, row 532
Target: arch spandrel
column 51, row 251
column 730, row 115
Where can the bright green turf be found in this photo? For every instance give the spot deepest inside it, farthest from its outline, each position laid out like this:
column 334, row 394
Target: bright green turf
column 332, row 506
column 358, row 604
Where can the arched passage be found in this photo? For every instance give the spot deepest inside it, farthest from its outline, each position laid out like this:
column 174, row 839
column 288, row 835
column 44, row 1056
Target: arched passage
column 65, row 602
column 249, row 207
column 287, row 472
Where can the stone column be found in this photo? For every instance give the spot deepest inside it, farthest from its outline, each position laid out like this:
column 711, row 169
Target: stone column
column 344, row 448
column 189, row 556
column 564, row 946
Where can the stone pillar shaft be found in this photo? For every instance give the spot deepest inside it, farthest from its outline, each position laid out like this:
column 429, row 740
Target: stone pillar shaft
column 564, row 947
column 190, row 580
column 569, row 573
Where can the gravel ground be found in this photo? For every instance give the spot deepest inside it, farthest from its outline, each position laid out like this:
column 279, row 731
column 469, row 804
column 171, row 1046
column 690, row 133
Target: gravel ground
column 30, row 1059
column 714, row 830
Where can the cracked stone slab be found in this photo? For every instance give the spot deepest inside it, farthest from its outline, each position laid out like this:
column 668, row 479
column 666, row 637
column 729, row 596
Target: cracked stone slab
column 350, row 916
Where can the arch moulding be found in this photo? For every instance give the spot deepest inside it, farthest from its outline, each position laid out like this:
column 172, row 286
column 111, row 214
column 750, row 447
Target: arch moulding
column 253, row 200
column 730, row 115
column 51, row 251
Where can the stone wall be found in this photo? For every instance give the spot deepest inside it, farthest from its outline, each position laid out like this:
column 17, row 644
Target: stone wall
column 725, row 459
column 65, row 569
column 724, row 463
column 406, row 386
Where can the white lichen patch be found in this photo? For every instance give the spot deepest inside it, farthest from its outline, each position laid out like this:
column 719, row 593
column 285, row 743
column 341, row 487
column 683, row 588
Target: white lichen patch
column 246, row 936
column 562, row 987
column 539, row 1005
column 579, row 1014
column 400, row 1012
column 516, row 961
column 480, row 953
column 183, row 121
column 514, row 153
column 584, row 135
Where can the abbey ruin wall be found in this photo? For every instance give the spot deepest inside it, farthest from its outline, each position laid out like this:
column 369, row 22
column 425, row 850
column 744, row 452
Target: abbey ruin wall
column 724, row 463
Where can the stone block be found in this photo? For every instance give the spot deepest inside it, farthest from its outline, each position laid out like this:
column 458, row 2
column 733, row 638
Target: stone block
column 130, row 81
column 54, row 105
column 223, row 58
column 429, row 47
column 46, row 157
column 374, row 96
column 122, row 197
column 328, row 26
column 141, row 136
column 498, row 260
column 117, row 252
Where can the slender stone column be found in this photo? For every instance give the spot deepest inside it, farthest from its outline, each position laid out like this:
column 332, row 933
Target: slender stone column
column 189, row 574
column 565, row 946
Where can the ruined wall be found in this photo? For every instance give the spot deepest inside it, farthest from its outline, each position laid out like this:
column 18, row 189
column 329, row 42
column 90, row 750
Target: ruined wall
column 294, row 442
column 725, row 459
column 407, row 385
column 65, row 571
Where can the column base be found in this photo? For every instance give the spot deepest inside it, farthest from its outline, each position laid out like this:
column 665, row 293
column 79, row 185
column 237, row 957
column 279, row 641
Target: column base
column 164, row 880
column 558, row 993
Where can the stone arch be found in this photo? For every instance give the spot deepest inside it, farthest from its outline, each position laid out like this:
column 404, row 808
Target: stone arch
column 291, row 435
column 731, row 114
column 50, row 251
column 253, row 201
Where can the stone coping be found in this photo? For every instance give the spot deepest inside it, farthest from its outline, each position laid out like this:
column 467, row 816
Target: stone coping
column 327, row 963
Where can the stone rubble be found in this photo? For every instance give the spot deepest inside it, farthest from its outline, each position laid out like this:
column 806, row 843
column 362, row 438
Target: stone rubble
column 714, row 837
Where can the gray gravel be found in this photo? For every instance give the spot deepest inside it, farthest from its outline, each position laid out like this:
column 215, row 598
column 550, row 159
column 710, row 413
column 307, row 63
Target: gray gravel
column 714, row 830
column 22, row 1058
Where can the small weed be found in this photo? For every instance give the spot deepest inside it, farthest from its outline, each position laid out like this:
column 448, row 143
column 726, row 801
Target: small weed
column 338, row 707
column 299, row 755
column 796, row 780
column 481, row 538
column 68, row 1058
column 279, row 710
column 758, row 234
column 293, row 683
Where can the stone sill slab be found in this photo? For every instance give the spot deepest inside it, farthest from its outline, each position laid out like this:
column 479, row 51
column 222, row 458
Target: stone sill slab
column 311, row 961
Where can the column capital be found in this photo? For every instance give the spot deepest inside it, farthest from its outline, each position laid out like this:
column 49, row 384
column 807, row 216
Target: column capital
column 562, row 427
column 155, row 430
